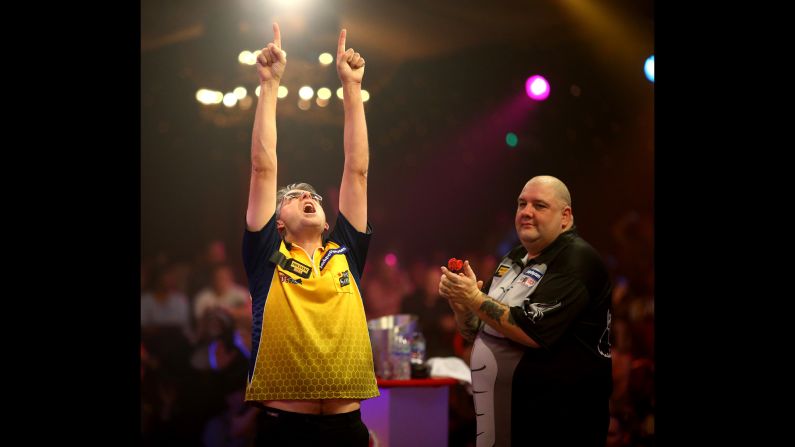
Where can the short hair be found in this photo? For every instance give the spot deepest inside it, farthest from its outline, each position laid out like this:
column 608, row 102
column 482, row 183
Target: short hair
column 561, row 191
column 284, row 190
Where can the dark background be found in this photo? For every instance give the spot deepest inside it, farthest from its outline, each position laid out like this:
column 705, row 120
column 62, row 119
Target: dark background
column 447, row 83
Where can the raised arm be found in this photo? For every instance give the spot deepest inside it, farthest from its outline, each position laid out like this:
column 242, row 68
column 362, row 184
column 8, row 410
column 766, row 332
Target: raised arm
column 353, row 189
column 262, row 189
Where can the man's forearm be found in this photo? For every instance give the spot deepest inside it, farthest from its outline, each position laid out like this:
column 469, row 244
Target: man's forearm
column 498, row 316
column 355, row 137
column 468, row 323
column 263, row 137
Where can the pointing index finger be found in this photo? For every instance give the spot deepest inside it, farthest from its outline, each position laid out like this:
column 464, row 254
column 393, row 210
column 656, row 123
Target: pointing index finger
column 341, row 42
column 277, row 35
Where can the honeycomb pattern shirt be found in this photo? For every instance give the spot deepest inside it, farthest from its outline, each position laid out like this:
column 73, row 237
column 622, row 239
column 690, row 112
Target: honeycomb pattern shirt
column 309, row 338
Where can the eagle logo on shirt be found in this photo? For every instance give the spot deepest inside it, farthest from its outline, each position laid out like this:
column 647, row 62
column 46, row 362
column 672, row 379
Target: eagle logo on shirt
column 535, row 311
column 604, row 341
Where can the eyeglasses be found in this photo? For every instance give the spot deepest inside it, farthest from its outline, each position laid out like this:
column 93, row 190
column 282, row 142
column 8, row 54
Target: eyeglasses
column 295, row 194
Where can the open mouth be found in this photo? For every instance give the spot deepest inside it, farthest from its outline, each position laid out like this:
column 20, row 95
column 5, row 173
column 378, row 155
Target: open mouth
column 309, row 208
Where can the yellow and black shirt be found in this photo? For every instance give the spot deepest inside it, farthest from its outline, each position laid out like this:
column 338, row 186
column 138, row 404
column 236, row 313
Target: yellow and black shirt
column 309, row 337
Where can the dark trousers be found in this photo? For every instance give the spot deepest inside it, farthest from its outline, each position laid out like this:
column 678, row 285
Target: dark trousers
column 284, row 428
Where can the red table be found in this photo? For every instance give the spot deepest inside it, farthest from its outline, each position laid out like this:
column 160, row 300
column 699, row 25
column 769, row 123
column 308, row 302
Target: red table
column 411, row 413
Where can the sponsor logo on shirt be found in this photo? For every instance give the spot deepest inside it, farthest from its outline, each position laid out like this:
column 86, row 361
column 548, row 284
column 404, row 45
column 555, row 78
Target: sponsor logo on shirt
column 344, row 278
column 501, row 271
column 298, row 268
column 287, row 279
column 530, row 277
column 330, row 253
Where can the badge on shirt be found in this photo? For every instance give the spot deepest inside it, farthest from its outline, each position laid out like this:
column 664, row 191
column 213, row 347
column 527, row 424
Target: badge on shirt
column 298, row 268
column 530, row 277
column 291, row 265
column 501, row 271
column 344, row 278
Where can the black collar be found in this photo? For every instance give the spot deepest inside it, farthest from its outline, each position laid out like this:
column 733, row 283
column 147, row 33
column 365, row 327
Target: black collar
column 518, row 253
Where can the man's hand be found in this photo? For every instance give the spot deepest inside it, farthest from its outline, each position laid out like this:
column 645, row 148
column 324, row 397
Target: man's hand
column 462, row 289
column 350, row 65
column 272, row 60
